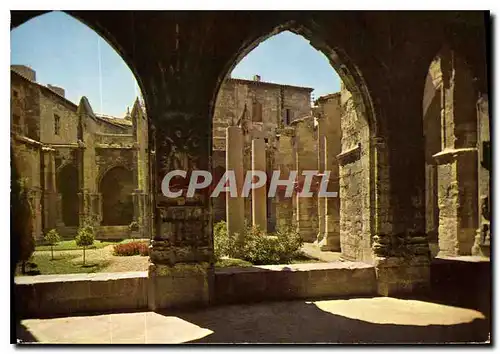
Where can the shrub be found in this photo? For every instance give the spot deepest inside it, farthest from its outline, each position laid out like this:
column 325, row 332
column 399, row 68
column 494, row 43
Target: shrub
column 131, row 249
column 257, row 248
column 85, row 238
column 52, row 238
column 225, row 244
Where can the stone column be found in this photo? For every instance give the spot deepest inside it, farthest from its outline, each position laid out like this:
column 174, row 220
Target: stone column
column 401, row 253
column 285, row 160
column 305, row 159
column 50, row 196
column 59, row 218
column 235, row 206
column 321, row 171
column 457, row 199
column 457, row 162
column 482, row 240
column 259, row 195
column 331, row 239
column 181, row 252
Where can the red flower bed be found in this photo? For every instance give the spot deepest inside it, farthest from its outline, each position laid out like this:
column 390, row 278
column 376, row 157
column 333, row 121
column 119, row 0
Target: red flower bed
column 131, row 249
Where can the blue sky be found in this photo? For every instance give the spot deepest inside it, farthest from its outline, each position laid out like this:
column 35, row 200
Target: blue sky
column 64, row 52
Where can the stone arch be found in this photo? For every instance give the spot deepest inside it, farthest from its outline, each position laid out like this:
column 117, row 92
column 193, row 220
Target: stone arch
column 68, row 188
column 371, row 152
column 116, row 186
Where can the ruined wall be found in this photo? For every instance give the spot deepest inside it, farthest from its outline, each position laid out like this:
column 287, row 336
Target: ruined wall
column 354, row 181
column 266, row 106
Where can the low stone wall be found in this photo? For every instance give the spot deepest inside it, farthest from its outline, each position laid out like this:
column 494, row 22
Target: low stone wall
column 113, row 232
column 295, row 281
column 57, row 295
column 50, row 295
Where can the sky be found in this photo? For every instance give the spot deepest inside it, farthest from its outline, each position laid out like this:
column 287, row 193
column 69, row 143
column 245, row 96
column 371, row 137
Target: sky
column 66, row 53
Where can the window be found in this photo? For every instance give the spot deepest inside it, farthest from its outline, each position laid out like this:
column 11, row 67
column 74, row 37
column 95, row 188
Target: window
column 15, row 93
column 257, row 112
column 57, row 124
column 16, row 119
column 288, row 116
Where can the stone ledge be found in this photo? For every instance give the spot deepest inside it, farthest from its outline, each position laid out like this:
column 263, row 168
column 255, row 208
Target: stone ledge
column 49, row 295
column 450, row 154
column 34, row 279
column 349, row 156
column 294, row 281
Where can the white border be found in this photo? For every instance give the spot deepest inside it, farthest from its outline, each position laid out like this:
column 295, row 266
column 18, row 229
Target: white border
column 188, row 5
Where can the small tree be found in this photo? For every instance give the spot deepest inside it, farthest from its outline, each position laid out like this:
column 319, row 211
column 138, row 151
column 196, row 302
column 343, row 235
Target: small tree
column 52, row 238
column 84, row 238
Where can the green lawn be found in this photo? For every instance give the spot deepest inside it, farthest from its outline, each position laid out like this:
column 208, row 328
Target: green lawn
column 71, row 245
column 63, row 263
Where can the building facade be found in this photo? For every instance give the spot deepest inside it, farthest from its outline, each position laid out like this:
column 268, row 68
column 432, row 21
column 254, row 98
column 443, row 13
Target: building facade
column 79, row 167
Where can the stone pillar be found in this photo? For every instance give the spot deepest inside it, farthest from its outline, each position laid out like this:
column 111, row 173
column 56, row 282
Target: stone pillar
column 401, row 253
column 59, row 218
column 457, row 160
column 331, row 239
column 235, row 206
column 181, row 269
column 483, row 234
column 321, row 171
column 305, row 159
column 285, row 160
column 259, row 195
column 50, row 195
column 457, row 199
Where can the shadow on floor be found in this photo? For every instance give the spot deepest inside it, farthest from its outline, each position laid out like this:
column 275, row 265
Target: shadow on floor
column 24, row 335
column 301, row 322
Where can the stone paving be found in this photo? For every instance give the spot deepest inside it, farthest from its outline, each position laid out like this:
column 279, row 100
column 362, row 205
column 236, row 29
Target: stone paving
column 358, row 320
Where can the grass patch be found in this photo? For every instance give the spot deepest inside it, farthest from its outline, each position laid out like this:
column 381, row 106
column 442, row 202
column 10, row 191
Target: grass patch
column 235, row 262
column 232, row 262
column 70, row 245
column 63, row 263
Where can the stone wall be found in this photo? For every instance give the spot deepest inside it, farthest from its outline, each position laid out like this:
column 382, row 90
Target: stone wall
column 53, row 107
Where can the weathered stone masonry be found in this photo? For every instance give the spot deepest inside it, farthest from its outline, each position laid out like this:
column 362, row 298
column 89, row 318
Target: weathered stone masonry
column 64, row 153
